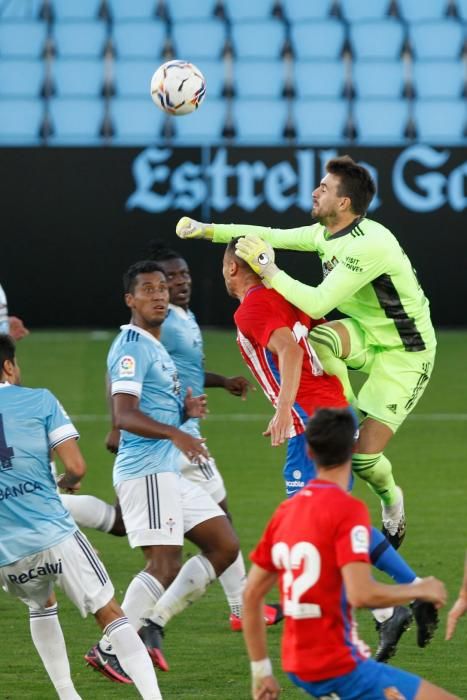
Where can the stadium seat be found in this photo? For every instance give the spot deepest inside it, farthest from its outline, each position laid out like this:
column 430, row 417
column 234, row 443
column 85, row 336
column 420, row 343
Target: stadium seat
column 443, row 39
column 203, row 126
column 72, row 78
column 356, row 10
column 80, row 39
column 183, row 10
column 76, row 9
column 258, row 40
column 20, row 121
column 246, row 10
column 136, row 121
column 121, row 10
column 320, row 40
column 22, row 39
column 441, row 121
column 260, row 121
column 380, row 121
column 139, row 39
column 377, row 40
column 21, row 10
column 133, row 78
column 378, row 79
column 320, row 121
column 203, row 39
column 416, row 11
column 438, row 79
column 322, row 79
column 259, row 79
column 21, row 78
column 299, row 11
column 214, row 72
column 76, row 121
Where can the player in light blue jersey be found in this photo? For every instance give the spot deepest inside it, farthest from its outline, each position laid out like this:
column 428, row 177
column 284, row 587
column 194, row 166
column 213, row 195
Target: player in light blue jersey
column 40, row 544
column 159, row 506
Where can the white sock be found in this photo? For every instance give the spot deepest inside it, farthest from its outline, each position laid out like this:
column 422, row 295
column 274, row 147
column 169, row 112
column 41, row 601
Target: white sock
column 382, row 614
column 48, row 639
column 189, row 585
column 89, row 511
column 140, row 598
column 133, row 657
column 233, row 582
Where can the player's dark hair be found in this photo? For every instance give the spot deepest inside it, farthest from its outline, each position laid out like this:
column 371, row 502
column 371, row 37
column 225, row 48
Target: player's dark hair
column 356, row 182
column 160, row 251
column 7, row 349
column 138, row 268
column 330, row 433
column 230, row 249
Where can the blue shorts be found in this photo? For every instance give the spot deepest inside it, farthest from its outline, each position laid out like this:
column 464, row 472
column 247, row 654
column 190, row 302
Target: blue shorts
column 298, row 468
column 369, row 681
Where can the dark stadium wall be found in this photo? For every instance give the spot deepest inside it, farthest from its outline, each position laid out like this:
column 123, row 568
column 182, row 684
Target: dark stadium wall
column 74, row 219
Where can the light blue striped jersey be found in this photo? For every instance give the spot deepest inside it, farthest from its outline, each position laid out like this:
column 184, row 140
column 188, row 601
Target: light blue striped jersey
column 32, row 517
column 138, row 364
column 181, row 336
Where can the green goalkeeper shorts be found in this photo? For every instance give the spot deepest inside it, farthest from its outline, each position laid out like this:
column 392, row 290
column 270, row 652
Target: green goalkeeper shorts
column 396, row 378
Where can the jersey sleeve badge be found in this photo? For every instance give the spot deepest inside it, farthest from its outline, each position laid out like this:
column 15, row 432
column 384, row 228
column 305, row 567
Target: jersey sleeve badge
column 127, row 366
column 359, row 539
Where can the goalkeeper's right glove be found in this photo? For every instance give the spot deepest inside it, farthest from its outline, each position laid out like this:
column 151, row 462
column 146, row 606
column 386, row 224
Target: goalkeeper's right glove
column 189, row 228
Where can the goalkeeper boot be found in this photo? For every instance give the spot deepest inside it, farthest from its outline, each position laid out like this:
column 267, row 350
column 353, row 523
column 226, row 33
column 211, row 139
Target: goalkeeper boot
column 107, row 664
column 426, row 619
column 390, row 631
column 394, row 524
column 272, row 614
column 152, row 635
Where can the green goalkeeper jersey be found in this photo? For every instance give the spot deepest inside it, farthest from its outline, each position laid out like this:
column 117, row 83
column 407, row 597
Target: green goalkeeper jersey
column 366, row 275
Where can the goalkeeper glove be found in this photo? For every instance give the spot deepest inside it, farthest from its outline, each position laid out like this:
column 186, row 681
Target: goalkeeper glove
column 189, row 228
column 259, row 255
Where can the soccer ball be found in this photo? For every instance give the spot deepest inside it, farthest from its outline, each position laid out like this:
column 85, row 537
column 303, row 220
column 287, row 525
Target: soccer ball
column 178, row 87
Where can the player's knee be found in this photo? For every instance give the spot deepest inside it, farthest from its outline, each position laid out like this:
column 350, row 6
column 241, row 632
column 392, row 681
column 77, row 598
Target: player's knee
column 223, row 553
column 164, row 570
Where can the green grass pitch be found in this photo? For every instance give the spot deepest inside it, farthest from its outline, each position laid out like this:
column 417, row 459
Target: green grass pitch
column 207, row 660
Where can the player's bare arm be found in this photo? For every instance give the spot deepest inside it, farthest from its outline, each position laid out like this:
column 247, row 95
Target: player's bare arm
column 75, row 466
column 459, row 608
column 237, row 386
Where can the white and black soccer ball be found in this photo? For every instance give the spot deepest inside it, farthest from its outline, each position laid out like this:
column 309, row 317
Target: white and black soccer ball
column 178, row 87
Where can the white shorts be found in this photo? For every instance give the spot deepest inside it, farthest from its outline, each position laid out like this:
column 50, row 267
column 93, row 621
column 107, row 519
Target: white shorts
column 206, row 474
column 158, row 509
column 73, row 565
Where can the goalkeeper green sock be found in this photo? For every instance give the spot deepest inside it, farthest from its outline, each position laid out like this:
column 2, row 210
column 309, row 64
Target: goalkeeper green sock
column 376, row 470
column 327, row 344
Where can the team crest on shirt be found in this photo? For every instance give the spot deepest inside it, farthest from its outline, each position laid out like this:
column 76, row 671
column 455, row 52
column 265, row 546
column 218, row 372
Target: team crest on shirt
column 127, row 366
column 329, row 265
column 393, row 694
column 170, row 524
column 359, row 539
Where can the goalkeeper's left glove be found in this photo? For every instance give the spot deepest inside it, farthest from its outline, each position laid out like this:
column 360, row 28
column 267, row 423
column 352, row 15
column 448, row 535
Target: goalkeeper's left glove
column 259, row 255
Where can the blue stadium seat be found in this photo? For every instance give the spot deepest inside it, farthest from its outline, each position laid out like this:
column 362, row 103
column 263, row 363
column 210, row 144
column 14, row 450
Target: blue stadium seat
column 80, row 39
column 259, row 79
column 76, row 121
column 214, row 72
column 203, row 126
column 246, row 10
column 136, row 121
column 356, row 10
column 199, row 39
column 438, row 79
column 378, row 79
column 300, row 10
column 443, row 39
column 320, row 121
column 133, row 78
column 21, row 10
column 183, row 10
column 74, row 78
column 377, row 40
column 76, row 9
column 441, row 121
column 139, row 39
column 319, row 79
column 380, row 121
column 21, row 78
column 318, row 40
column 20, row 121
column 258, row 40
column 416, row 11
column 260, row 121
column 22, row 39
column 121, row 10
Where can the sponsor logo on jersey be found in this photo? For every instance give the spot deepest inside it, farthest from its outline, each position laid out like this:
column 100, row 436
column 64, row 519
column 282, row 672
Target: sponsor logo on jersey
column 127, row 366
column 36, row 571
column 21, row 489
column 359, row 539
column 352, row 264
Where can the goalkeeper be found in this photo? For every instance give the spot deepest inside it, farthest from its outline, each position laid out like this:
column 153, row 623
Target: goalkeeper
column 387, row 333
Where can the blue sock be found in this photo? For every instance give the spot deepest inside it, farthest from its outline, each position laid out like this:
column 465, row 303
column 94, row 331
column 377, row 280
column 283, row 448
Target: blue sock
column 385, row 558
